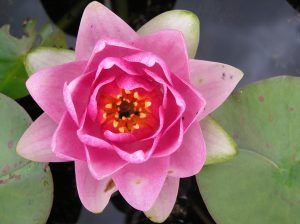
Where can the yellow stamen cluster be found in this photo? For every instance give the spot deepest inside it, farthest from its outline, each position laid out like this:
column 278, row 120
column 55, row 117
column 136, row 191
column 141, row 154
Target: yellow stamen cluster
column 127, row 111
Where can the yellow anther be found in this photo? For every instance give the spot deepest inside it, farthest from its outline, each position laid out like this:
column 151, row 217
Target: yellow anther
column 127, row 91
column 147, row 104
column 119, row 96
column 136, row 126
column 136, row 95
column 104, row 115
column 124, row 118
column 115, row 123
column 117, row 115
column 135, row 104
column 142, row 115
column 119, row 103
column 122, row 129
column 108, row 106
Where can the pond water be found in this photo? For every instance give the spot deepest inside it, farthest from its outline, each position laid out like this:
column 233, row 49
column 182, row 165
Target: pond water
column 262, row 38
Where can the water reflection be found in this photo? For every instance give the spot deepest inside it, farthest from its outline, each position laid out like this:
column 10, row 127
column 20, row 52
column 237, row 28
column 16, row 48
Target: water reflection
column 260, row 37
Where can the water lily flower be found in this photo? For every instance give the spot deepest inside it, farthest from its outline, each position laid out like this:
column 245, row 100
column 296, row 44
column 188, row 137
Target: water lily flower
column 127, row 109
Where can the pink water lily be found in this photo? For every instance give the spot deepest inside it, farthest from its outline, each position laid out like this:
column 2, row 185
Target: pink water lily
column 127, row 111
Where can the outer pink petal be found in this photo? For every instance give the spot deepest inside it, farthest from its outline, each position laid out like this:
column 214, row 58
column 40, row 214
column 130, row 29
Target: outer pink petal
column 98, row 22
column 170, row 46
column 46, row 87
column 194, row 101
column 190, row 157
column 65, row 142
column 165, row 202
column 94, row 194
column 35, row 144
column 103, row 162
column 170, row 141
column 215, row 82
column 140, row 184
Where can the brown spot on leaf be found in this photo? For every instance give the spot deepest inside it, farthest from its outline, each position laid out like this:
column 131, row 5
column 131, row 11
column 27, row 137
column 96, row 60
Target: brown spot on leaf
column 10, row 144
column 291, row 109
column 271, row 118
column 261, row 98
column 268, row 145
column 46, row 183
column 235, row 135
column 6, row 169
column 110, row 185
column 14, row 176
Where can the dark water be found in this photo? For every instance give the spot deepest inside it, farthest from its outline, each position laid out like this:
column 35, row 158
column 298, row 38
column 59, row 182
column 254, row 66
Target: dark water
column 261, row 37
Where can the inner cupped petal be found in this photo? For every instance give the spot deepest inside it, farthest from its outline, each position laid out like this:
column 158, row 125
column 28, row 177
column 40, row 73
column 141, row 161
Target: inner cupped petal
column 125, row 102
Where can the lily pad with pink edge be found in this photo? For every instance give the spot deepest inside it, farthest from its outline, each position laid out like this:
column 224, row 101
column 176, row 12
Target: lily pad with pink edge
column 26, row 188
column 262, row 184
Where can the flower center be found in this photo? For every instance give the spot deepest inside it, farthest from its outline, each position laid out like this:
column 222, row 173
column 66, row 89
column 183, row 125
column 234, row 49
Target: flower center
column 126, row 111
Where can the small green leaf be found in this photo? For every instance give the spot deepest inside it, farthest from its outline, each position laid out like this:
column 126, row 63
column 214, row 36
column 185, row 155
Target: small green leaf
column 185, row 21
column 262, row 184
column 12, row 71
column 13, row 52
column 44, row 57
column 51, row 36
column 220, row 146
column 26, row 188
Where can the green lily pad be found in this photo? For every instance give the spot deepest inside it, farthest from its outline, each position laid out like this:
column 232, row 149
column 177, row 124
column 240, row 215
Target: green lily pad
column 262, row 184
column 26, row 188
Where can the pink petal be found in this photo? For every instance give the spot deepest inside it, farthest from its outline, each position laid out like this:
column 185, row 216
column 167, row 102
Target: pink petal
column 94, row 194
column 76, row 96
column 65, row 142
column 140, row 184
column 109, row 48
column 194, row 101
column 170, row 141
column 170, row 46
column 215, row 82
column 159, row 71
column 103, row 162
column 190, row 157
column 46, row 87
column 165, row 202
column 138, row 151
column 98, row 22
column 35, row 144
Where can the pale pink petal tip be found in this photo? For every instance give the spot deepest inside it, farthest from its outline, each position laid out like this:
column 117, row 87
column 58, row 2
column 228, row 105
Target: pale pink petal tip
column 165, row 202
column 215, row 81
column 94, row 194
column 140, row 184
column 98, row 22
